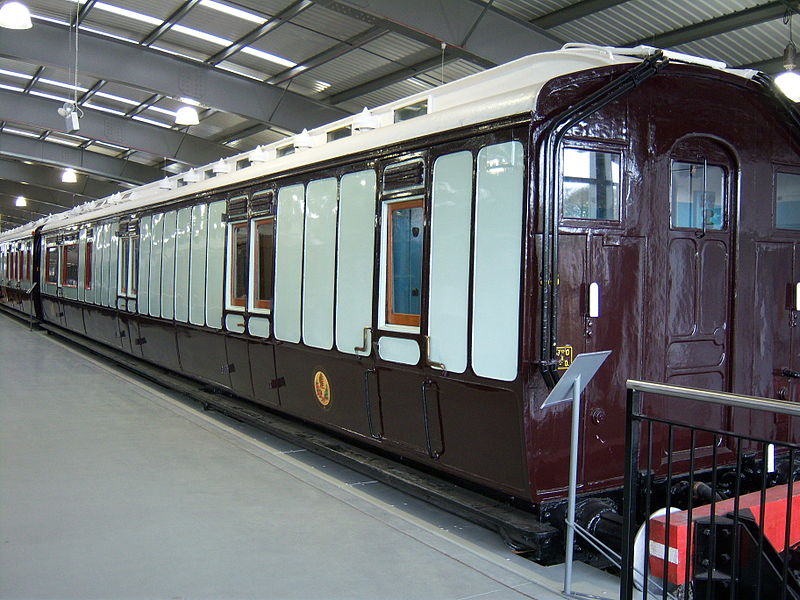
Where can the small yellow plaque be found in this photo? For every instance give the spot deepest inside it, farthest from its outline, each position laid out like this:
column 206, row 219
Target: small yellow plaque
column 564, row 354
column 322, row 388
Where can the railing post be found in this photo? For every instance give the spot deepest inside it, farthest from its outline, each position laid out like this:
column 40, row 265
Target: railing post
column 632, row 436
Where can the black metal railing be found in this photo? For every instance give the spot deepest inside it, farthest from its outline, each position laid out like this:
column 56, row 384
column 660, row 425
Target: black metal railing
column 712, row 496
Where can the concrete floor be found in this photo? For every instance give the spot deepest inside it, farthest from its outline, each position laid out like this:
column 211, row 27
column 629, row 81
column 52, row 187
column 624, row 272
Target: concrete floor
column 111, row 487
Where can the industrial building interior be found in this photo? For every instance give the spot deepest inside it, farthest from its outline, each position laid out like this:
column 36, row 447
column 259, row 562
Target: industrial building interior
column 259, row 70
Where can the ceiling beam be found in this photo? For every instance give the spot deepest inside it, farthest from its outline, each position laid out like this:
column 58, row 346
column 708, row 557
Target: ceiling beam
column 386, row 80
column 53, row 200
column 158, row 72
column 169, row 22
column 290, row 12
column 178, row 145
column 485, row 34
column 724, row 24
column 58, row 155
column 50, row 178
column 356, row 41
column 770, row 66
column 573, row 12
column 26, row 213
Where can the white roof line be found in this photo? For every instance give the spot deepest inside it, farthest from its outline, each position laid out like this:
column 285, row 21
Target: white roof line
column 505, row 90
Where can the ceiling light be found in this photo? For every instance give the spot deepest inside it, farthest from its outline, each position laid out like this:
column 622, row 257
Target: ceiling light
column 69, row 176
column 788, row 82
column 186, row 115
column 15, row 15
column 20, row 201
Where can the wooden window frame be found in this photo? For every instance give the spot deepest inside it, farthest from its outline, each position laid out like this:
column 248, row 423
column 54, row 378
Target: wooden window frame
column 236, row 302
column 63, row 269
column 50, row 251
column 123, row 278
column 394, row 318
column 258, row 303
column 133, row 267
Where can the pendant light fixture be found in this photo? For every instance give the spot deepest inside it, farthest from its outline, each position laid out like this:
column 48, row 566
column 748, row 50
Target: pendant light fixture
column 788, row 81
column 15, row 15
column 21, row 201
column 69, row 176
column 186, row 115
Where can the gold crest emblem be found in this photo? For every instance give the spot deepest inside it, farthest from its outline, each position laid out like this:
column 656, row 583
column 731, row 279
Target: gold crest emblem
column 322, row 388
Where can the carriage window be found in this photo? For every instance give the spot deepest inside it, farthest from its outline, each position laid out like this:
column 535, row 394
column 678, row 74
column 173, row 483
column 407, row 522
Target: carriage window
column 124, row 266
column 28, row 264
column 69, row 265
column 52, row 266
column 787, row 201
column 237, row 286
column 698, row 196
column 128, row 266
column 87, row 262
column 590, row 184
column 404, row 226
column 263, row 253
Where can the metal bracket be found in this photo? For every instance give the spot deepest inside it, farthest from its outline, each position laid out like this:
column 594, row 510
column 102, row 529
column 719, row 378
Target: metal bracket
column 365, row 345
column 428, row 361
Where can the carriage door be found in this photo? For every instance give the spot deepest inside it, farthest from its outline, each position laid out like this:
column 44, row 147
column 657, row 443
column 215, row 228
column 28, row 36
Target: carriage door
column 601, row 258
column 699, row 255
column 777, row 298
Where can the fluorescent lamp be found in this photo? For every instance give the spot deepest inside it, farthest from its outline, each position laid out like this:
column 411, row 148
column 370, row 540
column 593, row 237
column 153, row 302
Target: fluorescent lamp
column 21, row 201
column 186, row 115
column 69, row 176
column 15, row 15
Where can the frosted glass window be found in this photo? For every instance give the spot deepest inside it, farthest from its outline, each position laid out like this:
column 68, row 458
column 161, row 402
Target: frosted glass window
column 451, row 228
column 787, row 201
column 215, row 266
column 497, row 261
column 590, row 184
column 356, row 260
column 197, row 281
column 698, row 196
column 144, row 265
column 168, row 266
column 156, row 243
column 183, row 241
column 113, row 243
column 106, row 289
column 289, row 262
column 320, row 262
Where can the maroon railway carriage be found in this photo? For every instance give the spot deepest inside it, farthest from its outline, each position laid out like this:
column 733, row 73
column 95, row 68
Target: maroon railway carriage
column 416, row 277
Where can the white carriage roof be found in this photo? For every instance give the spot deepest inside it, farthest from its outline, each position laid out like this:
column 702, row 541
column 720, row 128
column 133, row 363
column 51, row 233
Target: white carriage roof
column 503, row 91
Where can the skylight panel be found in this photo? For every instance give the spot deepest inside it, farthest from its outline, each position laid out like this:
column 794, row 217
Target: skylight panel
column 268, row 57
column 163, row 111
column 21, row 132
column 49, row 19
column 15, row 74
column 151, row 122
column 61, row 84
column 11, row 88
column 113, row 36
column 235, row 12
column 175, row 53
column 119, row 99
column 50, row 96
column 130, row 14
column 63, row 142
column 110, row 145
column 104, row 109
column 201, row 35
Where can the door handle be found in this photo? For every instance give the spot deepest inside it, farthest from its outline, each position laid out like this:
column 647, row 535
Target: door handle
column 791, row 374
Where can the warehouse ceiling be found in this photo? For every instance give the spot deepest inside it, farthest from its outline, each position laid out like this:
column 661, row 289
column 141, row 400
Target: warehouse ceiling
column 259, row 70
